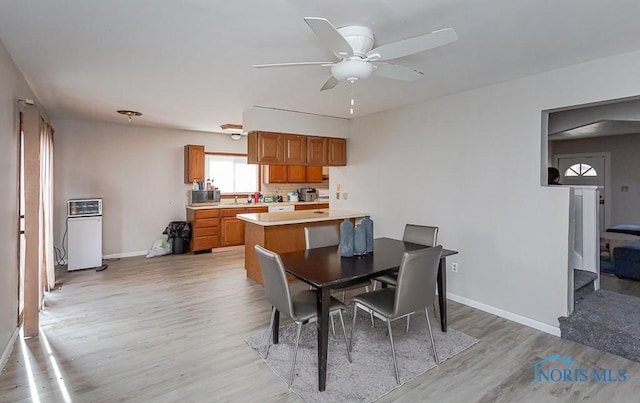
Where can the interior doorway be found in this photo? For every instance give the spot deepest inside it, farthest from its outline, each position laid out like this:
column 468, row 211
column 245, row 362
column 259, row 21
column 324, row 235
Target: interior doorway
column 21, row 223
column 588, row 170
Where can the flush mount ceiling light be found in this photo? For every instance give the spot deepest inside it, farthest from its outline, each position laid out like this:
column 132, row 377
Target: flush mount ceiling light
column 235, row 130
column 129, row 114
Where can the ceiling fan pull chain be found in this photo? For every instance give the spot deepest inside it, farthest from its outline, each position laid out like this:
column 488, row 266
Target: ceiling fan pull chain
column 352, row 102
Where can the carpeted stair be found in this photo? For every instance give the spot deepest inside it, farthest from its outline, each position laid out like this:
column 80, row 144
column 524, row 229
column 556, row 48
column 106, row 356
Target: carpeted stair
column 607, row 321
column 583, row 283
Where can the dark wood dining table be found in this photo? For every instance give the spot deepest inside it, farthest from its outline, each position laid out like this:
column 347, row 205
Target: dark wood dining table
column 325, row 269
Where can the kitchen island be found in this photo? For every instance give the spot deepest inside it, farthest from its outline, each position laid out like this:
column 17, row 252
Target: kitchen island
column 283, row 232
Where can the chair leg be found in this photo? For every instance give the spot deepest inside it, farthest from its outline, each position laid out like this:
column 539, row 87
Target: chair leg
column 295, row 353
column 393, row 351
column 344, row 333
column 408, row 321
column 353, row 326
column 333, row 327
column 273, row 318
column 433, row 344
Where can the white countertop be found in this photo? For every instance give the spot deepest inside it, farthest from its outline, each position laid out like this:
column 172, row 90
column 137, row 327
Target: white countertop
column 299, row 217
column 207, row 205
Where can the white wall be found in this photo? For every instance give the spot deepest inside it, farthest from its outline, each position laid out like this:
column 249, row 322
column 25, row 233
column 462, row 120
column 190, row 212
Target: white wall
column 625, row 171
column 278, row 120
column 12, row 87
column 139, row 172
column 470, row 163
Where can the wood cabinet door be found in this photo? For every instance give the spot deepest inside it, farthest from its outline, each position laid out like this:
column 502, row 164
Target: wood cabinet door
column 193, row 163
column 314, row 174
column 317, row 150
column 232, row 231
column 314, row 206
column 295, row 149
column 270, row 148
column 277, row 174
column 337, row 152
column 296, row 173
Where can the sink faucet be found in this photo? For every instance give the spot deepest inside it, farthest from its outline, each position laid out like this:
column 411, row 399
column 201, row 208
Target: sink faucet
column 235, row 200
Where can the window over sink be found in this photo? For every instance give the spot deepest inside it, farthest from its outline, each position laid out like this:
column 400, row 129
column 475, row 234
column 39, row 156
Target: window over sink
column 231, row 173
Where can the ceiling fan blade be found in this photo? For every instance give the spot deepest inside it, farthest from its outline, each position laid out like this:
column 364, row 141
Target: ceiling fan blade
column 294, row 64
column 393, row 71
column 329, row 36
column 413, row 45
column 330, row 83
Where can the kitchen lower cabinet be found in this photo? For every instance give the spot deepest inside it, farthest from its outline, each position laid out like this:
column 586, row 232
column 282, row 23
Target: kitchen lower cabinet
column 232, row 228
column 205, row 229
column 232, row 231
column 311, row 206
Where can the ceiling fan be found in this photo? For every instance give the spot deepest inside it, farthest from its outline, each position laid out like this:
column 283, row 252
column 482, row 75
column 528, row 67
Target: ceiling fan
column 353, row 46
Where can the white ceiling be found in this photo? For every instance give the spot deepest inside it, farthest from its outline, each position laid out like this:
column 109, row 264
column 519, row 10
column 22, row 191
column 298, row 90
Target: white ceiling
column 187, row 64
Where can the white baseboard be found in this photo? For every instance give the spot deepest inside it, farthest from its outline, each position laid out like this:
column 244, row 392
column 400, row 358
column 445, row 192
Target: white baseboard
column 8, row 349
column 553, row 330
column 125, row 254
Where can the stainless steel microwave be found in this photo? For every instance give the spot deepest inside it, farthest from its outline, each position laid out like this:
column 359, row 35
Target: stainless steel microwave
column 204, row 196
column 84, row 207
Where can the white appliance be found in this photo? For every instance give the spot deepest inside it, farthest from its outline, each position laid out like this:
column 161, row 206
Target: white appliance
column 84, row 226
column 277, row 208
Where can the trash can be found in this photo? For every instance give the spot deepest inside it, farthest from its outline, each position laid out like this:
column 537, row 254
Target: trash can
column 179, row 234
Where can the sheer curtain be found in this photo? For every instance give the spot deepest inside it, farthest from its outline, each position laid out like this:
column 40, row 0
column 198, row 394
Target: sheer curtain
column 47, row 261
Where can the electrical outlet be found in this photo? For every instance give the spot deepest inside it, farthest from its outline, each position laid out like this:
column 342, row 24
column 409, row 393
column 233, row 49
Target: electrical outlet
column 454, row 267
column 344, row 196
column 337, row 195
column 338, row 187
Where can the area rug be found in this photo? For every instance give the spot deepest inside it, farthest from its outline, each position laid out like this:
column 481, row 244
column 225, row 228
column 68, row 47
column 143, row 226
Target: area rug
column 371, row 374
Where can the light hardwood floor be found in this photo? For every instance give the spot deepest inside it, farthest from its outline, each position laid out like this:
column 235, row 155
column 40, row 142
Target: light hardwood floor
column 626, row 286
column 171, row 329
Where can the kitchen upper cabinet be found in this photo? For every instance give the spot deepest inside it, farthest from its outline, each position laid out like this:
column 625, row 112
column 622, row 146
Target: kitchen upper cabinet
column 314, row 174
column 296, row 173
column 269, row 148
column 337, row 152
column 295, row 149
column 317, row 150
column 193, row 163
column 265, row 148
column 292, row 174
column 275, row 173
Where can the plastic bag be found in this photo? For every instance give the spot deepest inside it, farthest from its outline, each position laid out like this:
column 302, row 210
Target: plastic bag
column 177, row 229
column 159, row 248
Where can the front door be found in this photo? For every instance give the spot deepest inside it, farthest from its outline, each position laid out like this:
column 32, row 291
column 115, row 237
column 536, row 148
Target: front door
column 587, row 170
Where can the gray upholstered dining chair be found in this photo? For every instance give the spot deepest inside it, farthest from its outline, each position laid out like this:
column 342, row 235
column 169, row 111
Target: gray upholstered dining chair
column 422, row 235
column 415, row 290
column 328, row 235
column 301, row 307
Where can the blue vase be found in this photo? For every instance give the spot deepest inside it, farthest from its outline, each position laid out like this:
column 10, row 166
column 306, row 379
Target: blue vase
column 346, row 238
column 368, row 225
column 360, row 240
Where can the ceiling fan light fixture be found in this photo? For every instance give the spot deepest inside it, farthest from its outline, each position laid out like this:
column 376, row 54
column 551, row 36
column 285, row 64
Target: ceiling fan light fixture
column 352, row 70
column 231, row 128
column 360, row 38
column 129, row 114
